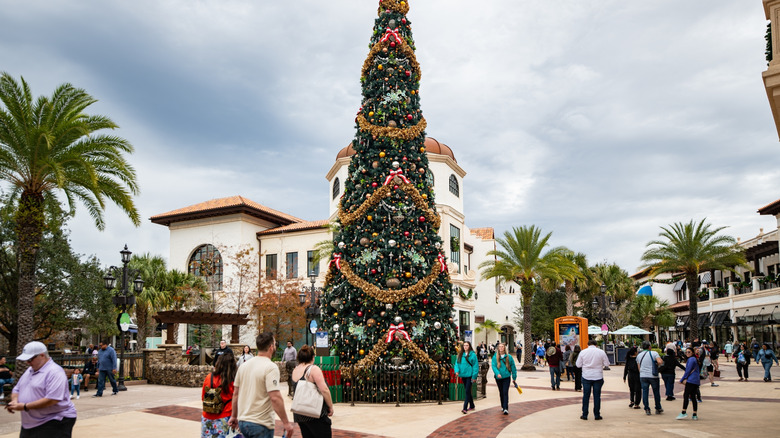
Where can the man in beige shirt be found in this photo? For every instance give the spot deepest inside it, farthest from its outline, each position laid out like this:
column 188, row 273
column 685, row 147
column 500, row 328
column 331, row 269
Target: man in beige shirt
column 257, row 396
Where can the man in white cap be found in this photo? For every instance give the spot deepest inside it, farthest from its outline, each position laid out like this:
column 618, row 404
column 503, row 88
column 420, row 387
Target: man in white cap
column 42, row 396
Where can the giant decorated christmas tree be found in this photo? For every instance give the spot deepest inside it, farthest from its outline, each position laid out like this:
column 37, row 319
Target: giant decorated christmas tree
column 387, row 292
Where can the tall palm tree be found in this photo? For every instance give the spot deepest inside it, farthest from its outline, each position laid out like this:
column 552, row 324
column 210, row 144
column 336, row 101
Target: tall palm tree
column 691, row 248
column 521, row 260
column 578, row 277
column 154, row 296
column 488, row 326
column 648, row 310
column 50, row 146
column 619, row 284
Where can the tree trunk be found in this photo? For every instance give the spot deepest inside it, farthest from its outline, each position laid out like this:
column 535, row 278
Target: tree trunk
column 29, row 231
column 569, row 298
column 527, row 291
column 692, row 283
column 142, row 321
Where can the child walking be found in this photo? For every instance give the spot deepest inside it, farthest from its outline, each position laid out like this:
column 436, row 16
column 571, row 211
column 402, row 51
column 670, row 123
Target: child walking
column 75, row 383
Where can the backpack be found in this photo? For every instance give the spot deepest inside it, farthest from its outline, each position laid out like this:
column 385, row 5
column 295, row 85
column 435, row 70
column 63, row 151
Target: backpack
column 741, row 358
column 212, row 399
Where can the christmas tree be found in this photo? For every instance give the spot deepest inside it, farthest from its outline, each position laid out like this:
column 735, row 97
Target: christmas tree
column 387, row 291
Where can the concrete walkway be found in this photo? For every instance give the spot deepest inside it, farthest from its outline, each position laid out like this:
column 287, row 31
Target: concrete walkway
column 151, row 410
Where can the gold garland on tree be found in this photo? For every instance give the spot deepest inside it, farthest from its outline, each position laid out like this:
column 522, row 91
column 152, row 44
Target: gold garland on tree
column 384, row 192
column 385, row 295
column 394, row 5
column 403, row 47
column 417, row 353
column 390, row 132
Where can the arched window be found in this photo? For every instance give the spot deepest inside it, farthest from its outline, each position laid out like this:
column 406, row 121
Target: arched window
column 429, row 178
column 336, row 188
column 454, row 189
column 206, row 263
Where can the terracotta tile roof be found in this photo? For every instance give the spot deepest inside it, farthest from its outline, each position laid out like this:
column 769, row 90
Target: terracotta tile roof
column 771, row 208
column 222, row 207
column 300, row 226
column 484, row 233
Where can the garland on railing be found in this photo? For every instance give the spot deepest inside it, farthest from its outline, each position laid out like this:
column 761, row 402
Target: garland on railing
column 672, row 280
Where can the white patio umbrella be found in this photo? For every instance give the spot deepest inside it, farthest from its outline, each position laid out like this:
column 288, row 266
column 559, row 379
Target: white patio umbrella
column 630, row 330
column 594, row 330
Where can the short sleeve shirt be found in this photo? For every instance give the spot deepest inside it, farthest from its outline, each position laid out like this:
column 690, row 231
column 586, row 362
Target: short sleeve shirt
column 48, row 382
column 254, row 380
column 645, row 360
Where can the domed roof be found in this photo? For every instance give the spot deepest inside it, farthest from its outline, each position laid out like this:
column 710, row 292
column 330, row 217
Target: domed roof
column 431, row 145
column 645, row 290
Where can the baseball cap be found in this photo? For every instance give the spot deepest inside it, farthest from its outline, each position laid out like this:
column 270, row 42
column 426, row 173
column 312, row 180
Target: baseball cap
column 31, row 350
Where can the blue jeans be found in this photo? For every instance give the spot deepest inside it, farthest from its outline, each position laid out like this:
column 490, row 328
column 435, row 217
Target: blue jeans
column 586, row 387
column 647, row 383
column 468, row 400
column 101, row 384
column 254, row 430
column 668, row 384
column 8, row 381
column 503, row 392
column 555, row 376
column 767, row 366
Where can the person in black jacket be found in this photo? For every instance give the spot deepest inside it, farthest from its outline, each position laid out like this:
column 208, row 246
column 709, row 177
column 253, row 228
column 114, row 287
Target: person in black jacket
column 742, row 357
column 667, row 372
column 632, row 372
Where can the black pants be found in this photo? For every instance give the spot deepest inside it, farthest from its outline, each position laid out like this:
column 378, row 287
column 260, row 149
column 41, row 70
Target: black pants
column 503, row 392
column 634, row 389
column 691, row 391
column 50, row 429
column 468, row 400
column 319, row 428
column 577, row 378
column 742, row 367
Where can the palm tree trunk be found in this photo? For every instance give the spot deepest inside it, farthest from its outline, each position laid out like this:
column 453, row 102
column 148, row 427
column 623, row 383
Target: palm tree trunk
column 141, row 316
column 692, row 283
column 527, row 290
column 29, row 230
column 569, row 298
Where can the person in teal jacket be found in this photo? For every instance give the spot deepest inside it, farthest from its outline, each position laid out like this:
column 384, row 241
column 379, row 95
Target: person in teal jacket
column 503, row 369
column 467, row 368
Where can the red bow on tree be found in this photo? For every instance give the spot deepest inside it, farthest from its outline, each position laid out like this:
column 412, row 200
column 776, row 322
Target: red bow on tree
column 396, row 173
column 336, row 260
column 393, row 32
column 443, row 263
column 397, row 330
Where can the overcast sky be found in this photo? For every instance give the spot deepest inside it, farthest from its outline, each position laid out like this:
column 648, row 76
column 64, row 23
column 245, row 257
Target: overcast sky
column 597, row 120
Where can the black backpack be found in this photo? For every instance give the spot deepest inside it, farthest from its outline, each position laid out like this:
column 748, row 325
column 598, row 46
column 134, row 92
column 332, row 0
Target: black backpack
column 212, row 399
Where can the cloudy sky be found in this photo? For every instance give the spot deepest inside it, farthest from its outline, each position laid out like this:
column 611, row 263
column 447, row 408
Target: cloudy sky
column 597, row 120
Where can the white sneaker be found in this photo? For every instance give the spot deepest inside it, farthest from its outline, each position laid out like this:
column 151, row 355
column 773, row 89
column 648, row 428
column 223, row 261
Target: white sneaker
column 78, row 397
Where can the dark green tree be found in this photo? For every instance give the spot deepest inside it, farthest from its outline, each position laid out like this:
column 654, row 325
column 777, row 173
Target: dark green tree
column 545, row 307
column 387, row 266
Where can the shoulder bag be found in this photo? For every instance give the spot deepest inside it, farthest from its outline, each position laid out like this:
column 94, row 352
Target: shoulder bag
column 308, row 399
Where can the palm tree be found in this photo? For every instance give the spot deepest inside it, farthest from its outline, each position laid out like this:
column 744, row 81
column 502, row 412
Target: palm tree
column 648, row 310
column 47, row 146
column 154, row 297
column 689, row 249
column 619, row 284
column 579, row 277
column 488, row 326
column 520, row 259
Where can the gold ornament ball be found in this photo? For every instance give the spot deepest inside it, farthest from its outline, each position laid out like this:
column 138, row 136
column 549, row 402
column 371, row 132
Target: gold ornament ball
column 370, row 114
column 408, row 275
column 374, row 234
column 424, row 196
column 362, row 352
column 369, row 217
column 421, row 170
column 422, row 313
column 422, row 148
column 392, row 124
column 335, row 313
column 382, row 154
column 380, row 67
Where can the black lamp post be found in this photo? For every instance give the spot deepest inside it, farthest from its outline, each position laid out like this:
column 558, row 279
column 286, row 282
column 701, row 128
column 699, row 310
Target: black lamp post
column 313, row 309
column 123, row 299
column 603, row 305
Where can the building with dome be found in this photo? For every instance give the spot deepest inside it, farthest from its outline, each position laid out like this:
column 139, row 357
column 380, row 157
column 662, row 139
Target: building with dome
column 203, row 235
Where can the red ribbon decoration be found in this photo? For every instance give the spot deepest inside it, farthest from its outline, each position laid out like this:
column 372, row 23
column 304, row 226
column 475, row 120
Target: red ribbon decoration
column 443, row 263
column 336, row 260
column 393, row 173
column 393, row 32
column 397, row 329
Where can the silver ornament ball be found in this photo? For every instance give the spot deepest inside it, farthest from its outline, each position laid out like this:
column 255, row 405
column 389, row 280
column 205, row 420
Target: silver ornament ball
column 396, row 164
column 437, row 324
column 391, row 242
column 398, row 319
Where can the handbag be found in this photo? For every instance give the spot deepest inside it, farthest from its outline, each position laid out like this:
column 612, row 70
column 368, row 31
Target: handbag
column 717, row 373
column 652, row 362
column 308, row 399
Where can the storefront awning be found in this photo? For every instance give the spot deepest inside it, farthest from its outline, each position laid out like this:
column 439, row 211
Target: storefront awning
column 719, row 317
column 704, row 320
column 680, row 285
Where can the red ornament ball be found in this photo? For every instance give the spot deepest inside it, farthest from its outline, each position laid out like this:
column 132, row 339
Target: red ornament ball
column 373, row 271
column 408, row 73
column 360, row 313
column 422, row 218
column 374, row 184
column 395, row 187
column 392, row 43
column 406, row 233
column 403, row 20
column 425, row 300
column 409, row 117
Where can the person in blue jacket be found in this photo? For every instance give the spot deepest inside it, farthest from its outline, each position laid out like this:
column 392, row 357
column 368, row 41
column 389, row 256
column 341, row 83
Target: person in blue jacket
column 691, row 381
column 467, row 368
column 503, row 369
column 765, row 357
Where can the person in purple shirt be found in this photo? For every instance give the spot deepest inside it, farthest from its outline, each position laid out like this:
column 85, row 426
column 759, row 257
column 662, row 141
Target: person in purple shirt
column 691, row 381
column 42, row 396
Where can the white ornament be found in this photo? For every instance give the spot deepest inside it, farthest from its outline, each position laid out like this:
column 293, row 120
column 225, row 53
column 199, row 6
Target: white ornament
column 438, row 245
column 437, row 324
column 391, row 242
column 342, row 245
column 396, row 164
column 336, row 327
column 398, row 319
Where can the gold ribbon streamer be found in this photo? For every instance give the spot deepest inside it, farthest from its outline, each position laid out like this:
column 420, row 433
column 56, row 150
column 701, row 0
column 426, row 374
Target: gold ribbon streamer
column 386, row 295
column 384, row 192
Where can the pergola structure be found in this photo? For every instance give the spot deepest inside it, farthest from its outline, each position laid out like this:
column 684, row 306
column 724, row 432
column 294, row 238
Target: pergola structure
column 235, row 320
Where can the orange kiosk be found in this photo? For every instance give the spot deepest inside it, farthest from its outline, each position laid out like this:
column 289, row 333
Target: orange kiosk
column 571, row 331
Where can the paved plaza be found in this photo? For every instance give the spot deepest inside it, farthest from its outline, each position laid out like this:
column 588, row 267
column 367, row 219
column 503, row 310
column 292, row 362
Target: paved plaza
column 152, row 410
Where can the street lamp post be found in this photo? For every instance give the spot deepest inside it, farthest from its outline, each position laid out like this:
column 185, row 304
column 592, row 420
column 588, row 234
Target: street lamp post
column 123, row 299
column 313, row 309
column 603, row 306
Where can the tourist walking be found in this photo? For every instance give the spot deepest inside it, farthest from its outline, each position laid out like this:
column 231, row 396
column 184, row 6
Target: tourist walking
column 218, row 406
column 631, row 376
column 519, row 350
column 289, row 359
column 256, row 394
column 742, row 357
column 42, row 396
column 690, row 379
column 577, row 369
column 503, row 370
column 667, row 371
column 246, row 354
column 106, row 368
column 727, row 350
column 314, row 427
column 554, row 358
column 708, row 369
column 765, row 357
column 567, row 364
column 467, row 368
column 592, row 361
column 649, row 361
